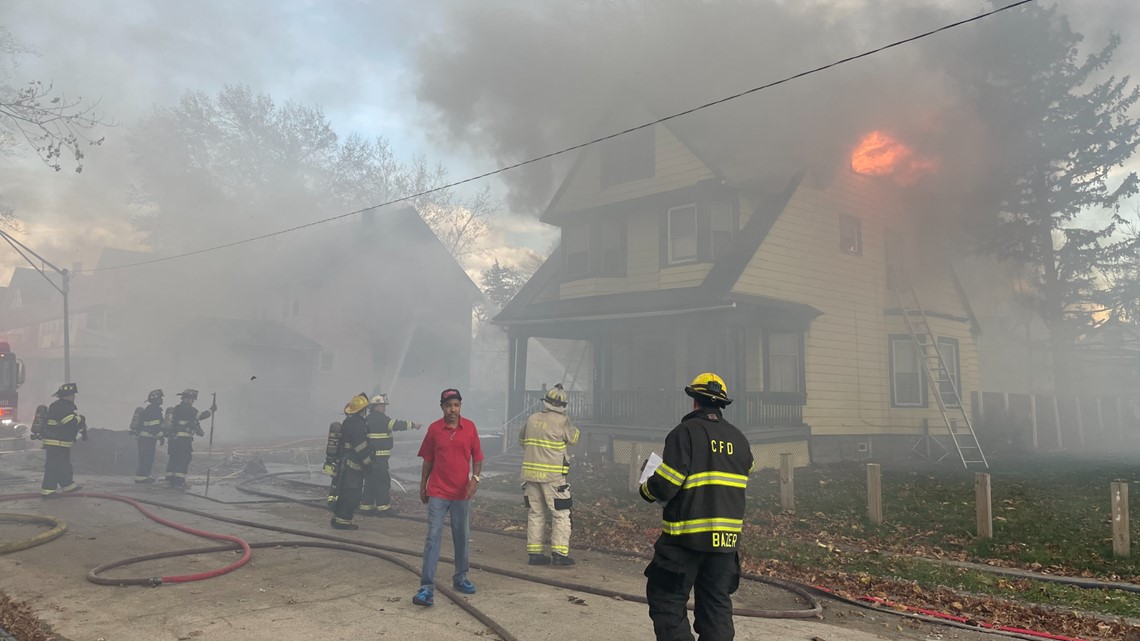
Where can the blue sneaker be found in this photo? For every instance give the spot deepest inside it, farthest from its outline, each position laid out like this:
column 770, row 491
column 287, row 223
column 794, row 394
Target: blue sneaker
column 424, row 597
column 465, row 586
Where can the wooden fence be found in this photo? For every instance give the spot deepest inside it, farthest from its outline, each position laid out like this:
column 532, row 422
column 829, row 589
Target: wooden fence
column 1034, row 422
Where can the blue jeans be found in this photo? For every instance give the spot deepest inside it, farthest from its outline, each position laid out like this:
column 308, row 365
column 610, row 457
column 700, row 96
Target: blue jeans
column 460, row 532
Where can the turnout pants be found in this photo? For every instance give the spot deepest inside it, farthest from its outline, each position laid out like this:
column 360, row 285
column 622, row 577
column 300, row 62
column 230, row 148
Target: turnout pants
column 548, row 500
column 348, row 494
column 377, row 495
column 146, row 457
column 673, row 573
column 180, row 450
column 57, row 470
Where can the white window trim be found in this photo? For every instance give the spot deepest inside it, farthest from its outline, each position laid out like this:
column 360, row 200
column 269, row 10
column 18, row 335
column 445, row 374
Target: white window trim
column 955, row 372
column 589, row 257
column 669, row 235
column 894, row 375
column 858, row 251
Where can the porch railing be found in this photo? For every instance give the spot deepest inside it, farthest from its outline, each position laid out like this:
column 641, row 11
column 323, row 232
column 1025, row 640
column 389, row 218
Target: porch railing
column 664, row 409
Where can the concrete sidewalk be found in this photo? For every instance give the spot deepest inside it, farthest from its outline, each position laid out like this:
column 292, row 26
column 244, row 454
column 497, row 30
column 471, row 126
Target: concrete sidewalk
column 301, row 594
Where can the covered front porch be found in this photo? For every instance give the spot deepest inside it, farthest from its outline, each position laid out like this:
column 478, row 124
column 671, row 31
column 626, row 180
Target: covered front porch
column 638, row 351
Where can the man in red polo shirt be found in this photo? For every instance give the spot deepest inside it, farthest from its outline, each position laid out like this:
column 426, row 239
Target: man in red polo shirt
column 450, row 475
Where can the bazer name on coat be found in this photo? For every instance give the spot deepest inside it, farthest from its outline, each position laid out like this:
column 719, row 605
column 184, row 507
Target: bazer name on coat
column 724, row 539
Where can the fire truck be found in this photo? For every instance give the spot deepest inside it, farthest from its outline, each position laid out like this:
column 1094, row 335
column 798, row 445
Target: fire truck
column 11, row 378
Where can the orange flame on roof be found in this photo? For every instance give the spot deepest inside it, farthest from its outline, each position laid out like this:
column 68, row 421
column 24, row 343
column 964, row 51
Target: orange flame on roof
column 879, row 154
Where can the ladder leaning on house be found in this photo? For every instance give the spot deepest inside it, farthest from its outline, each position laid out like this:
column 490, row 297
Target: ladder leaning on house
column 938, row 376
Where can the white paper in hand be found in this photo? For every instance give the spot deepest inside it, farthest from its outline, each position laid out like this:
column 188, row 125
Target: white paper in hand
column 651, row 466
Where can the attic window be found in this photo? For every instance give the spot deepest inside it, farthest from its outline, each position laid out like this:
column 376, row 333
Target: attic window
column 850, row 235
column 628, row 157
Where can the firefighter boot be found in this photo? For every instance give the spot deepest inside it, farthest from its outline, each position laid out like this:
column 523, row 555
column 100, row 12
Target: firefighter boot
column 342, row 524
column 538, row 559
column 561, row 559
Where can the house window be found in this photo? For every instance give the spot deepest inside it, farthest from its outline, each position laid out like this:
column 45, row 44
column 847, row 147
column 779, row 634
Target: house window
column 951, row 391
column 628, row 157
column 907, row 389
column 723, row 221
column 893, row 256
column 327, row 359
column 682, row 234
column 576, row 240
column 613, row 247
column 850, row 235
column 784, row 360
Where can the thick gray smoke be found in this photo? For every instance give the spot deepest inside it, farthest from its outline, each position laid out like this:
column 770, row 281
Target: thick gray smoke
column 520, row 79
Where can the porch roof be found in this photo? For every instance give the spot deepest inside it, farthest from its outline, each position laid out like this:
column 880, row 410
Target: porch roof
column 665, row 302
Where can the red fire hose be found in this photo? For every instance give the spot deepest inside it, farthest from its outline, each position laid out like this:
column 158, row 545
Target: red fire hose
column 182, row 578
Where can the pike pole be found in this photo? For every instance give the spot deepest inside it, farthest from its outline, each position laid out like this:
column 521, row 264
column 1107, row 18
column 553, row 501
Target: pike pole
column 210, row 447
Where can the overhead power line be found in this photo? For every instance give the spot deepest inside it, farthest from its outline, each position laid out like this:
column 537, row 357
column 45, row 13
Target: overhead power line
column 566, row 150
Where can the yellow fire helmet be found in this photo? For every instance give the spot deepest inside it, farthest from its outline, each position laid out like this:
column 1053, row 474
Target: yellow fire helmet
column 556, row 399
column 711, row 387
column 358, row 403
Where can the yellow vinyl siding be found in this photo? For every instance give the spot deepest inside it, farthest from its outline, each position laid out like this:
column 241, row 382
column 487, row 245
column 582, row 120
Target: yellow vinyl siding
column 846, row 348
column 675, row 167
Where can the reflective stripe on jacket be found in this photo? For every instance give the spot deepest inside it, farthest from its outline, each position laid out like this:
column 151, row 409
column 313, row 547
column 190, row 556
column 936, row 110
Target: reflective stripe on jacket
column 545, row 438
column 61, row 424
column 701, row 481
column 380, row 429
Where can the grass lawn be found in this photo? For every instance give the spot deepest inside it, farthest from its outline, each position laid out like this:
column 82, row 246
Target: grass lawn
column 1051, row 514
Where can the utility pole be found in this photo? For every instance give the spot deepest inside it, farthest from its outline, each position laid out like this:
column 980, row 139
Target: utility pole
column 64, row 289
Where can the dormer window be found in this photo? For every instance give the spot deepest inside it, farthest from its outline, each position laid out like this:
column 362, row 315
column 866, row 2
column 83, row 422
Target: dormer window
column 576, row 244
column 682, row 234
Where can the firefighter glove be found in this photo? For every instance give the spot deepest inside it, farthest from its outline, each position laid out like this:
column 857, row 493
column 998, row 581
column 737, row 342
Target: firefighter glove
column 329, row 468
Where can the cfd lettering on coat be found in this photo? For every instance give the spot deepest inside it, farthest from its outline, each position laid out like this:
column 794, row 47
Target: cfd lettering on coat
column 724, row 539
column 719, row 447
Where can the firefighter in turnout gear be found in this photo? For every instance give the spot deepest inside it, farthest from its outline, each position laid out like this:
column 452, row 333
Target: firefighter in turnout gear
column 184, row 426
column 701, row 482
column 355, row 461
column 147, row 426
column 62, row 424
column 332, row 461
column 544, row 439
column 377, row 499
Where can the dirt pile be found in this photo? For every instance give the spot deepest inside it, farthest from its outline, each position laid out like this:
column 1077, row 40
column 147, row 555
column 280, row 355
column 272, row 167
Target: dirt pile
column 112, row 452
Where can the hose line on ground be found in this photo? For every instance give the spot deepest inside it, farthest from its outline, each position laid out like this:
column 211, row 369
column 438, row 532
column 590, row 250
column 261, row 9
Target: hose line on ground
column 137, row 504
column 479, row 615
column 803, row 590
column 58, row 528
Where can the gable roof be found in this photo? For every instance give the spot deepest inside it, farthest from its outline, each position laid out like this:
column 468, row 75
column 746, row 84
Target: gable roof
column 714, row 291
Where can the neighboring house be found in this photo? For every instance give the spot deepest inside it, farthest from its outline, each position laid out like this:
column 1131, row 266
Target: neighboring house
column 671, row 264
column 375, row 304
column 389, row 305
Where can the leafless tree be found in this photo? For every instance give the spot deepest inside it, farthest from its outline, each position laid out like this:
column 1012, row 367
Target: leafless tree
column 34, row 113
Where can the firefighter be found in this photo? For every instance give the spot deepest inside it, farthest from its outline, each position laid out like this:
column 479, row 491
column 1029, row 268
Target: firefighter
column 332, row 461
column 378, row 484
column 355, row 461
column 701, row 482
column 147, row 426
column 544, row 439
column 185, row 424
column 62, row 425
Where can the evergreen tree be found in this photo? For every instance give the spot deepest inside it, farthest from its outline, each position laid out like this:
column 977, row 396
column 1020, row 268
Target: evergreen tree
column 1059, row 208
